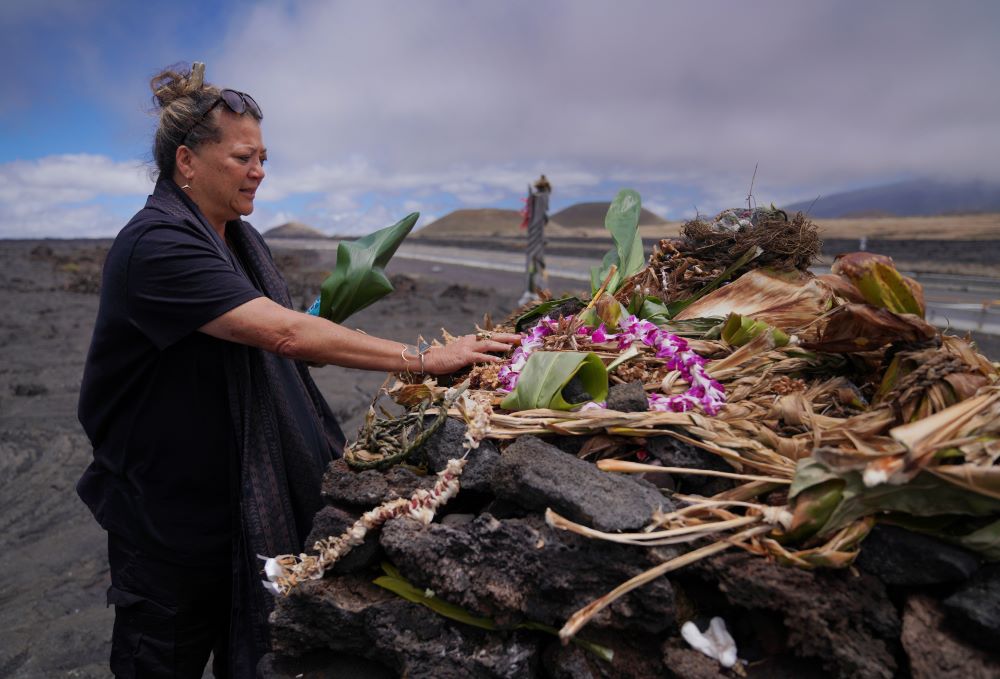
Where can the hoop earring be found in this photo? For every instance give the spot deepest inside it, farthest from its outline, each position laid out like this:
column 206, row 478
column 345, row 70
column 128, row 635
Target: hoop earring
column 186, row 186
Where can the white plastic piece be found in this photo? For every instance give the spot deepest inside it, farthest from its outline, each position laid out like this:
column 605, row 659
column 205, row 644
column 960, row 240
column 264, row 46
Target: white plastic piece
column 716, row 642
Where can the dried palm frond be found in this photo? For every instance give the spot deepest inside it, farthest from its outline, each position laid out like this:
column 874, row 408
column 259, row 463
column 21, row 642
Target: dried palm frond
column 785, row 300
column 919, row 383
column 862, row 327
column 944, row 429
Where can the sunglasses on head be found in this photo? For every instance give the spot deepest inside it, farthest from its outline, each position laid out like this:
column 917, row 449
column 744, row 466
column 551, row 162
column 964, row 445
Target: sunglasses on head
column 236, row 101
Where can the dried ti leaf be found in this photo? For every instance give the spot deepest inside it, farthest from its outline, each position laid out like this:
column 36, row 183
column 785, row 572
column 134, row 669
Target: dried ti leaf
column 785, row 300
column 862, row 327
column 410, row 395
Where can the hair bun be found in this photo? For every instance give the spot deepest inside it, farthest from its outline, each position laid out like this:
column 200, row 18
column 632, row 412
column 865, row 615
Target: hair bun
column 173, row 83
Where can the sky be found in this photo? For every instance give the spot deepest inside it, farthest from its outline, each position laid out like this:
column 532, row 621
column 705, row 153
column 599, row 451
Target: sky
column 373, row 109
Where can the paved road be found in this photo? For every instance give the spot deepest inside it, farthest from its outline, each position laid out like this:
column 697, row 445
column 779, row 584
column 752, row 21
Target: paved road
column 961, row 303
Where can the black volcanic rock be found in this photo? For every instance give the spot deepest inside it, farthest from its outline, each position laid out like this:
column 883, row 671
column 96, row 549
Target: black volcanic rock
column 523, row 570
column 446, row 444
column 368, row 488
column 332, row 522
column 628, row 398
column 537, row 476
column 901, row 557
column 975, row 606
column 934, row 652
column 846, row 623
column 352, row 617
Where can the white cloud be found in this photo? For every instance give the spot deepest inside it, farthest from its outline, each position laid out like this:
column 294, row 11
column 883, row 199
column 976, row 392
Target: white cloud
column 817, row 94
column 67, row 195
column 71, row 178
column 372, row 108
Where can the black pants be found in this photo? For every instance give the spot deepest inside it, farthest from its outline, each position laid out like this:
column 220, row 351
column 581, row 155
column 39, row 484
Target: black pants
column 168, row 618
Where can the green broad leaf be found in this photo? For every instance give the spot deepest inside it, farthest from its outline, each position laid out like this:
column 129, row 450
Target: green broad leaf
column 925, row 495
column 653, row 310
column 547, row 373
column 599, row 273
column 540, row 310
column 626, row 355
column 359, row 279
column 396, row 583
column 974, row 534
column 738, row 330
column 622, row 221
column 634, row 305
column 656, row 311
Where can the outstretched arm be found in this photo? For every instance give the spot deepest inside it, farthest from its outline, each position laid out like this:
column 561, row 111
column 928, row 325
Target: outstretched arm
column 267, row 325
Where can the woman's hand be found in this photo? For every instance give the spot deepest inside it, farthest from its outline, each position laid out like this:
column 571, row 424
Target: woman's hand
column 467, row 350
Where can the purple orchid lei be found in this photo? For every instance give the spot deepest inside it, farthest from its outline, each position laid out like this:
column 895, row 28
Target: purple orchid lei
column 704, row 391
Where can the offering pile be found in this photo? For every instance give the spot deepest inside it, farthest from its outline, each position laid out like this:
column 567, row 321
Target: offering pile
column 720, row 464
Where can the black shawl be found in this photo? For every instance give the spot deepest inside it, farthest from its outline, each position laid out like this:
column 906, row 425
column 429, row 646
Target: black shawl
column 286, row 436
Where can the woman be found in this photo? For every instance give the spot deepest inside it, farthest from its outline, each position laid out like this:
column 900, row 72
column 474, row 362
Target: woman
column 209, row 435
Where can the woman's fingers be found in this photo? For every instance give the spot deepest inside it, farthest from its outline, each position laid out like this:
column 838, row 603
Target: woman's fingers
column 491, row 345
column 504, row 337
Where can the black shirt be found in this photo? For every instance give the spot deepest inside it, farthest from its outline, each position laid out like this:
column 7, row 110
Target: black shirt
column 154, row 397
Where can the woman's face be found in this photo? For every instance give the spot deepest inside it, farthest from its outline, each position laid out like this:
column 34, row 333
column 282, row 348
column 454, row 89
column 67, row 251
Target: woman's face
column 225, row 176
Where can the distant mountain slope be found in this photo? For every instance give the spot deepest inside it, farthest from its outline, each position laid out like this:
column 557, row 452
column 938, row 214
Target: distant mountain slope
column 294, row 230
column 916, row 198
column 592, row 214
column 473, row 222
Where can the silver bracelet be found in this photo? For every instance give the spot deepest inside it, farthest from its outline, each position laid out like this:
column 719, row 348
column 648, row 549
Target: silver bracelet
column 422, row 348
column 419, row 350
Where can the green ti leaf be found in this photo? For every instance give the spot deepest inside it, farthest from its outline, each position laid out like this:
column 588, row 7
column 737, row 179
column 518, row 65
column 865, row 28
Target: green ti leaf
column 626, row 355
column 622, row 221
column 925, row 495
column 547, row 373
column 880, row 283
column 359, row 279
column 540, row 310
column 738, row 330
column 606, row 309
